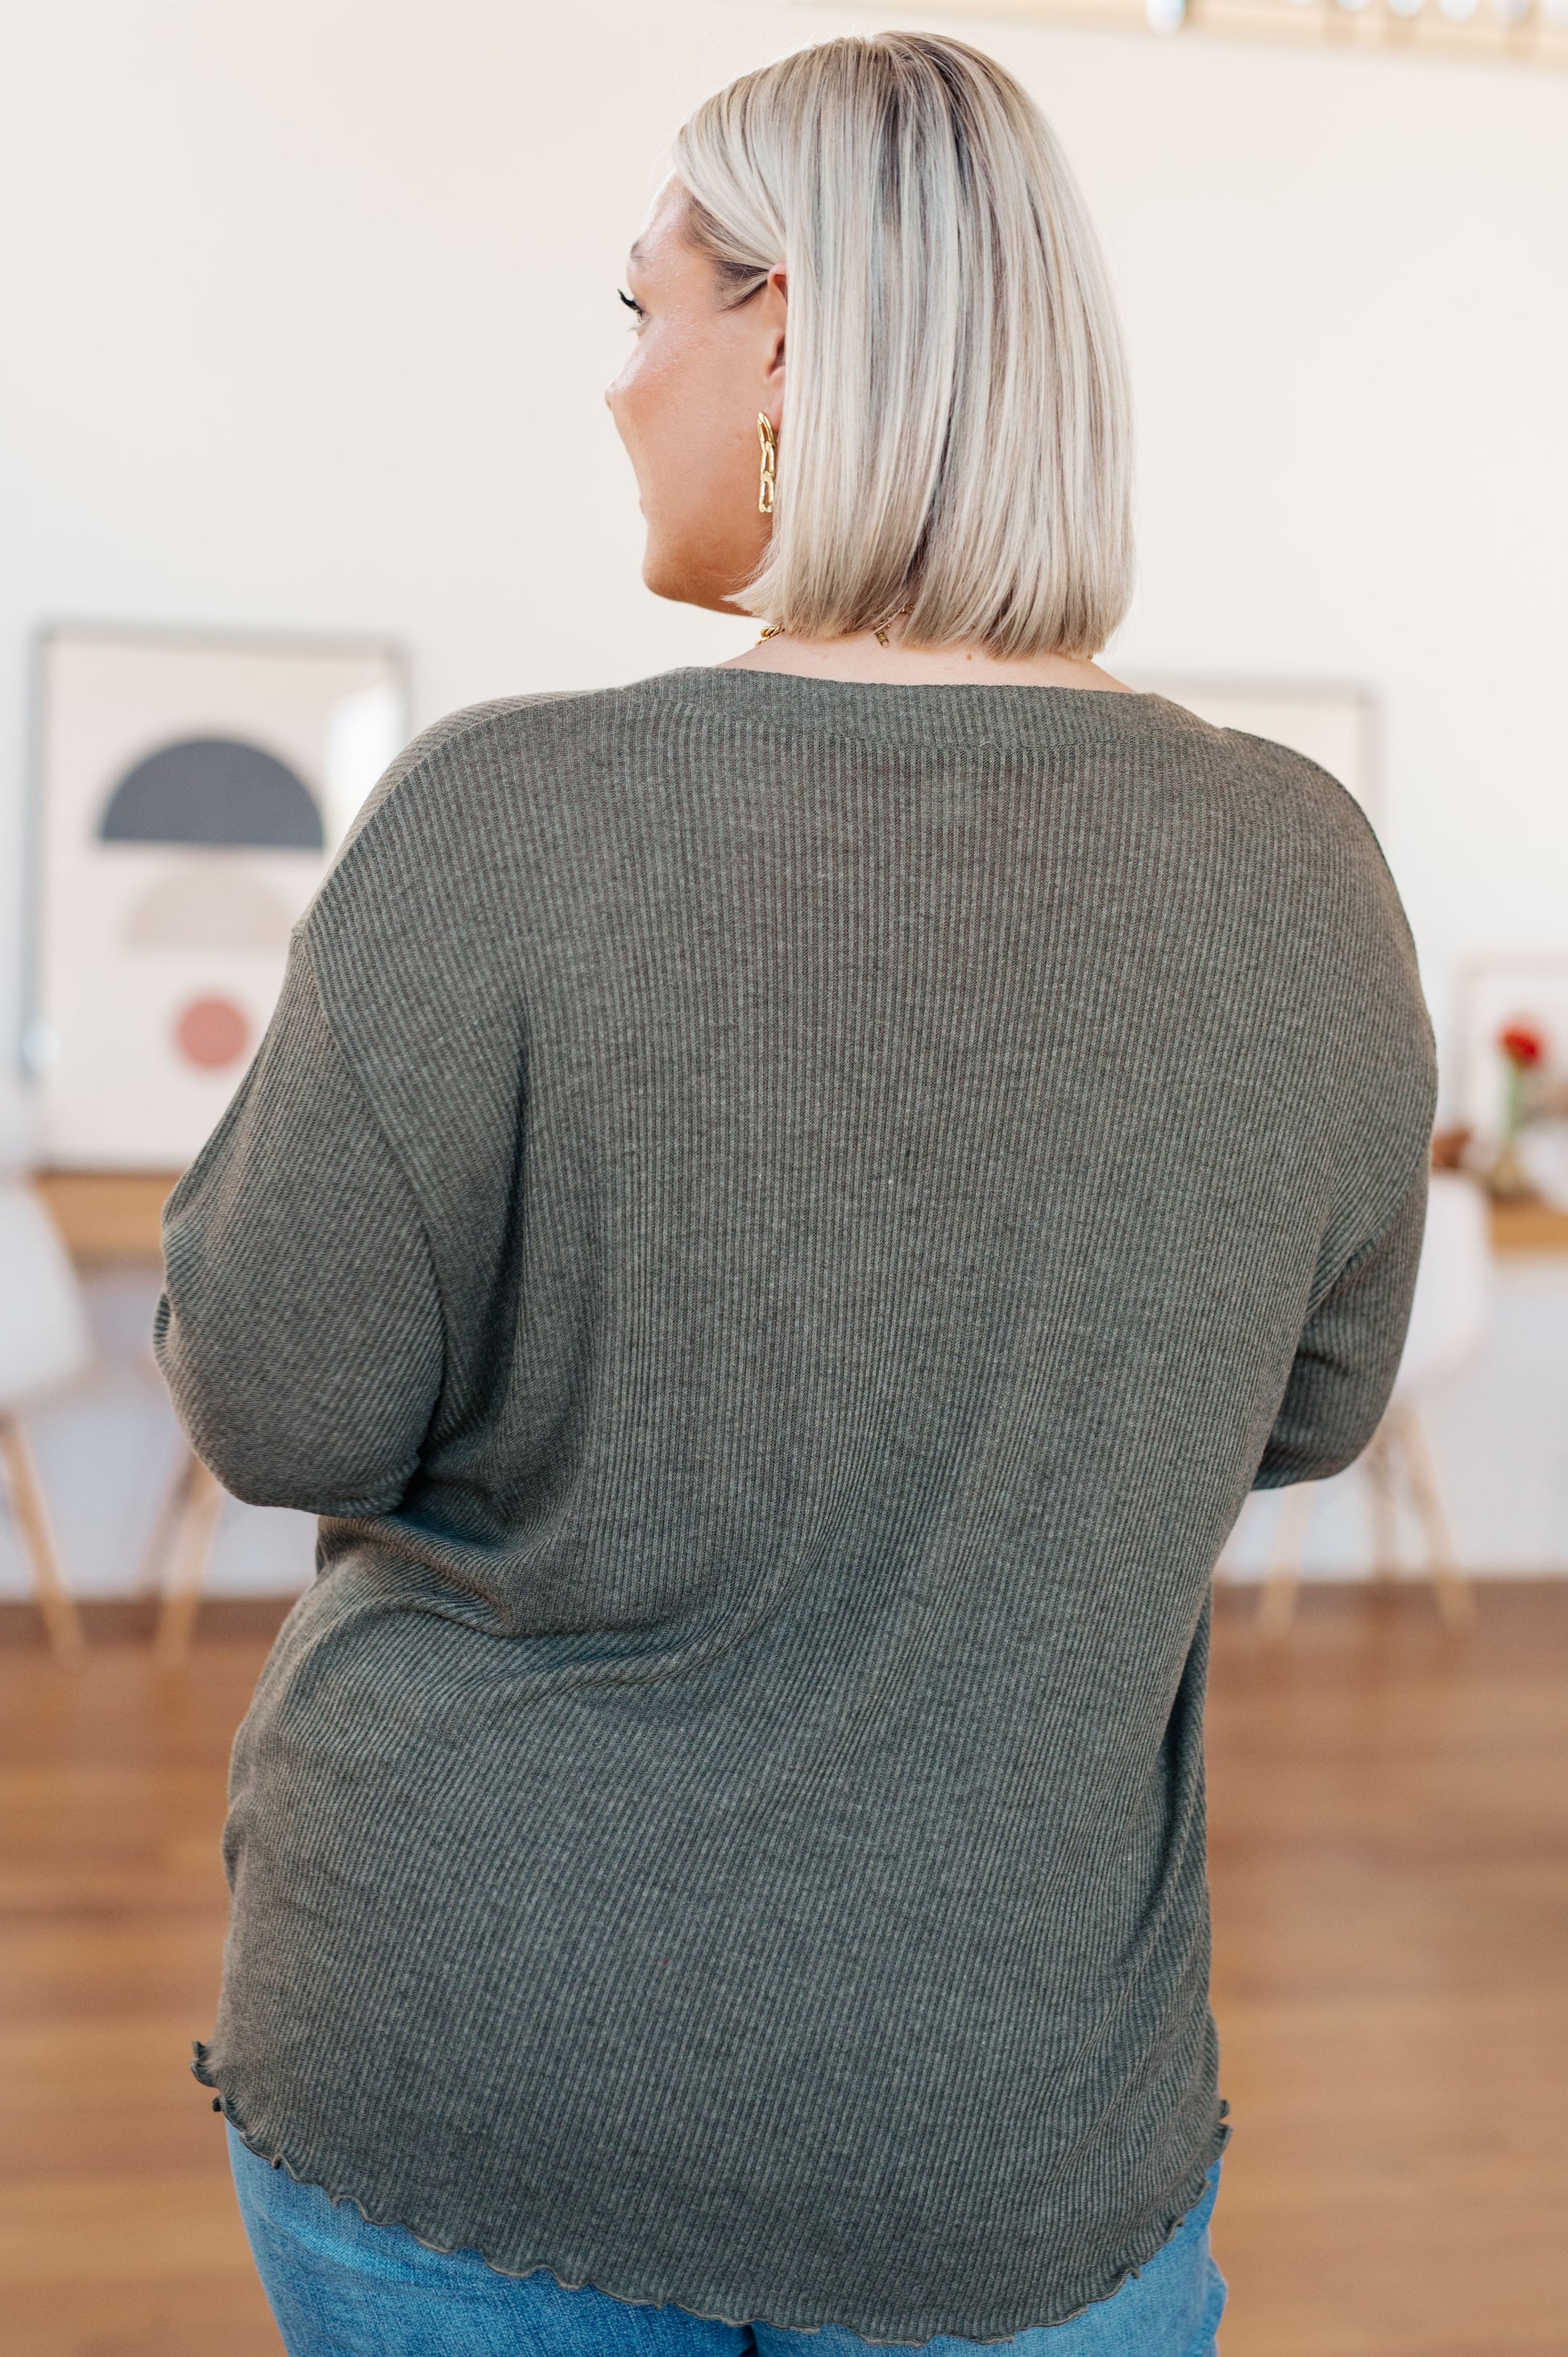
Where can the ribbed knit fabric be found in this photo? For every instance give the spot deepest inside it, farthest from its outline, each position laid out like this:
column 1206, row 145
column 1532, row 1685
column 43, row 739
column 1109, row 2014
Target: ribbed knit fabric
column 776, row 1224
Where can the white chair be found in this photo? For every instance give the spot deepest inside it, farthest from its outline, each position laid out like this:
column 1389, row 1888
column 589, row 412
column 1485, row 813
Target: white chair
column 44, row 1342
column 178, row 1552
column 1447, row 1325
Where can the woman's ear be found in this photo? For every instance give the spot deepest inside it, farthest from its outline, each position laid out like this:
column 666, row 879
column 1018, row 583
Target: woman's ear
column 775, row 305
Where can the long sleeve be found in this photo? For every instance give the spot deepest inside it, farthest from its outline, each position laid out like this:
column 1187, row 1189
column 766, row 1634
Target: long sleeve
column 300, row 1331
column 1349, row 1355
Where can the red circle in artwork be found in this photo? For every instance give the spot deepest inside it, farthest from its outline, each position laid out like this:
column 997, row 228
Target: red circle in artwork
column 212, row 1032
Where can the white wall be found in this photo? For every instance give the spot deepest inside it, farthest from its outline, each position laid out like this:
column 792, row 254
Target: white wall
column 309, row 306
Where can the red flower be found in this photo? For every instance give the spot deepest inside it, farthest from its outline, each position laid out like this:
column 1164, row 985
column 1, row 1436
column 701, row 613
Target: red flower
column 1522, row 1045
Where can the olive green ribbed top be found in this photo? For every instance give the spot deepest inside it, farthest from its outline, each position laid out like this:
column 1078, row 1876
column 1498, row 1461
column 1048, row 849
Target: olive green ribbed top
column 775, row 1223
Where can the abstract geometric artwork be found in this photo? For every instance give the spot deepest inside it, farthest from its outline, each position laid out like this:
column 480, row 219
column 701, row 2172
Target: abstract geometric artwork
column 191, row 796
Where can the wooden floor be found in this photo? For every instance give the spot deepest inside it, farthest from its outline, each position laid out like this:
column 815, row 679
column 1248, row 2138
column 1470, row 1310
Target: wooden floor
column 1389, row 1812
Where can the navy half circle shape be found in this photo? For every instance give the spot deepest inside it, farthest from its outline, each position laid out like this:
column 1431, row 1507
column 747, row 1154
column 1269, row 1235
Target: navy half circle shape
column 216, row 791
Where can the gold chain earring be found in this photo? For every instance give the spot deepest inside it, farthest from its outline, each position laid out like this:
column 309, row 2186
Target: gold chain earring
column 768, row 445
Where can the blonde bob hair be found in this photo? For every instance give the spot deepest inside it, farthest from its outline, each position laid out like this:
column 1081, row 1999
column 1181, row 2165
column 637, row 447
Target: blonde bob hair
column 955, row 440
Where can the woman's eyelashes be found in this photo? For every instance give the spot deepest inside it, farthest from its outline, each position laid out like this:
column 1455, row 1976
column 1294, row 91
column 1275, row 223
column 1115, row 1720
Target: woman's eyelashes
column 632, row 305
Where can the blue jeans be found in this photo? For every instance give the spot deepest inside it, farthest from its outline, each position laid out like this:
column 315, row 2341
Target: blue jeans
column 341, row 2289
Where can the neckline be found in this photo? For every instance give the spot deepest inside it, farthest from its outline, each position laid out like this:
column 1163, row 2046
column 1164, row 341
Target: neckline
column 924, row 713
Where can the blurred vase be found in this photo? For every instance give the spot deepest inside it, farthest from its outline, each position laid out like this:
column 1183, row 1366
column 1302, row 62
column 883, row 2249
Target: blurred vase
column 1507, row 1181
column 1542, row 1152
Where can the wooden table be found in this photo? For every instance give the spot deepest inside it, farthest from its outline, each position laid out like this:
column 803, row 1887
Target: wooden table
column 113, row 1215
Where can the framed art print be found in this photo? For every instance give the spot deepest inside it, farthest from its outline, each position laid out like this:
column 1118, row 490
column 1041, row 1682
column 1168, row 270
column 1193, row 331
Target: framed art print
column 1511, row 993
column 1335, row 727
column 190, row 795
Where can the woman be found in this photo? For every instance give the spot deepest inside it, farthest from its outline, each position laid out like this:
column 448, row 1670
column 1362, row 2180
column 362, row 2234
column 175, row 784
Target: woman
column 781, row 1212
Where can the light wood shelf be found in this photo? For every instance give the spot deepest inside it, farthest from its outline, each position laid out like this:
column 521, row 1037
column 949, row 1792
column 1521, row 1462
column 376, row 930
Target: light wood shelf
column 113, row 1215
column 1529, row 1228
column 107, row 1214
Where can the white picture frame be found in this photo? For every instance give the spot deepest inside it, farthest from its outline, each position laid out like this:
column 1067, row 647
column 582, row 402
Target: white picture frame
column 1499, row 989
column 190, row 793
column 1333, row 725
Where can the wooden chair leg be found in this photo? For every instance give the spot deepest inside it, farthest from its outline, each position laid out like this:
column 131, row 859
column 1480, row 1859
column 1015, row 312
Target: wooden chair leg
column 60, row 1614
column 198, row 1527
column 1377, row 1465
column 167, row 1522
column 1456, row 1601
column 1282, row 1579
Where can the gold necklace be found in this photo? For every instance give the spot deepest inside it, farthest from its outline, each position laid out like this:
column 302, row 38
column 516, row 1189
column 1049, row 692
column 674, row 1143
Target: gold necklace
column 775, row 629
